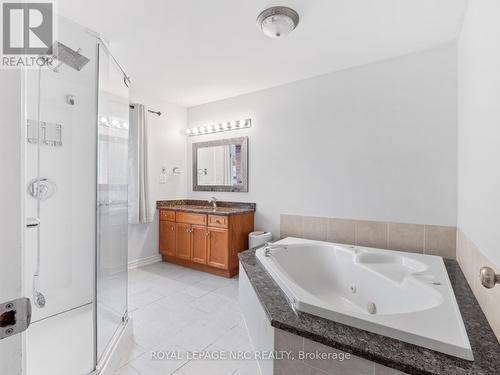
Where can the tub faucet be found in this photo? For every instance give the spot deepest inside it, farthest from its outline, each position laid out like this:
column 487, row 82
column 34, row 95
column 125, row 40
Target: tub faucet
column 213, row 202
column 270, row 246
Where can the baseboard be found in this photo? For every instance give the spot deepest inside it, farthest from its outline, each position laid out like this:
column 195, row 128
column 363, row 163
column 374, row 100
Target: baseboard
column 144, row 261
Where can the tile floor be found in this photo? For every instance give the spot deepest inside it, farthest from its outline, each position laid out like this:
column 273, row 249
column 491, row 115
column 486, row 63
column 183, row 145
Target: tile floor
column 183, row 310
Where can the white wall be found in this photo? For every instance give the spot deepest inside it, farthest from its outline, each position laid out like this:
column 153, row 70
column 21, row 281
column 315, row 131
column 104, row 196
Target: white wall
column 375, row 142
column 167, row 148
column 479, row 127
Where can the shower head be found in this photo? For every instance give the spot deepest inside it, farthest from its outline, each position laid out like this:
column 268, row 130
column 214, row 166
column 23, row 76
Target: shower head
column 65, row 55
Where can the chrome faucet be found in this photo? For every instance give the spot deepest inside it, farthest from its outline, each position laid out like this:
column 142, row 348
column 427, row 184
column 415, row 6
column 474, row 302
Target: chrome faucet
column 213, row 202
column 268, row 247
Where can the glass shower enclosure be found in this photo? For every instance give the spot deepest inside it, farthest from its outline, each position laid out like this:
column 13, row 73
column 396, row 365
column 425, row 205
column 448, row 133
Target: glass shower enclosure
column 112, row 202
column 75, row 151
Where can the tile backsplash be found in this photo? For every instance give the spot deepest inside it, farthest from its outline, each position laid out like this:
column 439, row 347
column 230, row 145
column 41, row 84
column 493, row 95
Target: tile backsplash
column 415, row 238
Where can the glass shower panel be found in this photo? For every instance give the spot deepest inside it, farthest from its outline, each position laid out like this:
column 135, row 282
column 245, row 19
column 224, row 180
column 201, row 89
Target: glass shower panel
column 60, row 179
column 112, row 179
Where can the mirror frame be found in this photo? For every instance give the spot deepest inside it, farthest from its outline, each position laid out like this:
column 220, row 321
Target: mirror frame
column 243, row 188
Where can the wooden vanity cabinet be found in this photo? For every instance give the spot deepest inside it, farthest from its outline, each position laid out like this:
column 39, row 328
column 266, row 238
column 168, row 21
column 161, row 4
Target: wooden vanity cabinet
column 209, row 243
column 183, row 241
column 199, row 244
column 218, row 248
column 167, row 237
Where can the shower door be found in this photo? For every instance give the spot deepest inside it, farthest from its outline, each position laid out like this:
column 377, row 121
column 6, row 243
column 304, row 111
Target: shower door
column 59, row 191
column 112, row 196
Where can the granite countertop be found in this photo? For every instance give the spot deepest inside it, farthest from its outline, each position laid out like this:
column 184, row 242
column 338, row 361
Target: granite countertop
column 203, row 207
column 389, row 352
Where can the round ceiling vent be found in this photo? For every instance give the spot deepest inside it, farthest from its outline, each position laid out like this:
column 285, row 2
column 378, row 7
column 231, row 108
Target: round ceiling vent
column 277, row 22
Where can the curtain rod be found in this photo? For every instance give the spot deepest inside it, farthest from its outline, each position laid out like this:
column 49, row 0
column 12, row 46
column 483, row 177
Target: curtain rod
column 155, row 112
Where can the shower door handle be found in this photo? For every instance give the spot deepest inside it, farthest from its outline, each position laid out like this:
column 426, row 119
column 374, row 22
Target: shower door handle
column 32, row 222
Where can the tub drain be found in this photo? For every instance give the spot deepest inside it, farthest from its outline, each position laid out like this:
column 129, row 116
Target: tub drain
column 371, row 307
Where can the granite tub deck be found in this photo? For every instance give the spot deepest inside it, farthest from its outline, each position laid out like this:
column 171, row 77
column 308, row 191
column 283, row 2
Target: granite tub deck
column 386, row 351
column 203, row 207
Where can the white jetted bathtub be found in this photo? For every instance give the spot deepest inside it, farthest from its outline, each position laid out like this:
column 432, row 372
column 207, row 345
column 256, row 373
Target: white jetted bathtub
column 400, row 295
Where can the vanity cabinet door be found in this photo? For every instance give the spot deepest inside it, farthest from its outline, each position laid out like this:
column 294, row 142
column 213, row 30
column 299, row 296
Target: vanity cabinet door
column 183, row 241
column 199, row 244
column 218, row 248
column 167, row 238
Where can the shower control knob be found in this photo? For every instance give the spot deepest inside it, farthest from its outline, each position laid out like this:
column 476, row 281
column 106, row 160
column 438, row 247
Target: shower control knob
column 42, row 188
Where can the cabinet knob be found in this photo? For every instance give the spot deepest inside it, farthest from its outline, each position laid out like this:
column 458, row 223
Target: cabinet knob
column 207, row 234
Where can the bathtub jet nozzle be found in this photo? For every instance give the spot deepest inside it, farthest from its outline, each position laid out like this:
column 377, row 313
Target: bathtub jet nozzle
column 372, row 308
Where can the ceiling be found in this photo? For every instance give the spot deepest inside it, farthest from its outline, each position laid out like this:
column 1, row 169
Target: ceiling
column 191, row 52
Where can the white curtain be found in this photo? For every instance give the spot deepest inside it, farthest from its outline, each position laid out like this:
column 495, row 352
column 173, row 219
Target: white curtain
column 138, row 189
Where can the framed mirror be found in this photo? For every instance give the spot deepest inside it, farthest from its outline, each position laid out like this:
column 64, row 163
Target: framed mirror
column 221, row 165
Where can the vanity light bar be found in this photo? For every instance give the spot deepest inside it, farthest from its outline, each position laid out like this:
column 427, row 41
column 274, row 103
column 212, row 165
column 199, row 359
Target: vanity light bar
column 113, row 123
column 222, row 127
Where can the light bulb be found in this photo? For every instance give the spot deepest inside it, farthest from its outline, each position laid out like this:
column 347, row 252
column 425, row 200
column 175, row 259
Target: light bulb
column 114, row 122
column 104, row 120
column 188, row 131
